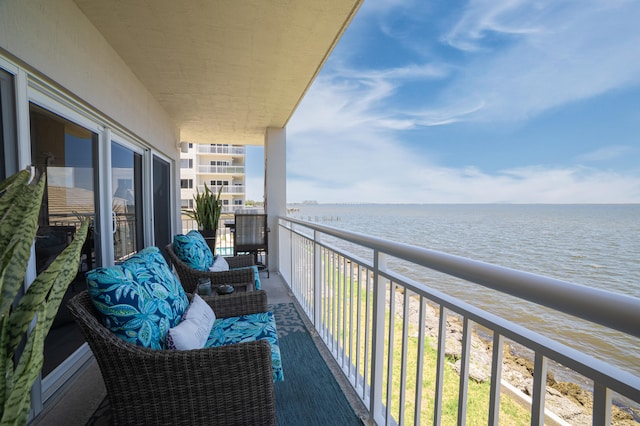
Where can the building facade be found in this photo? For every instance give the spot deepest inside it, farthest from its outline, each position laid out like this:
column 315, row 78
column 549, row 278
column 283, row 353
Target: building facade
column 99, row 95
column 219, row 166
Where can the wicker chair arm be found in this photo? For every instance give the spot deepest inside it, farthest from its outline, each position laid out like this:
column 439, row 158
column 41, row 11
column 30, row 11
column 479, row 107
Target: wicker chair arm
column 189, row 276
column 227, row 385
column 236, row 304
column 231, row 276
column 240, row 261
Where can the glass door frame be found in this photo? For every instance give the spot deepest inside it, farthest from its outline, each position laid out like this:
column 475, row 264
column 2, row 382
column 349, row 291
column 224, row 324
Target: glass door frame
column 46, row 387
column 48, row 98
column 29, row 88
column 115, row 137
column 173, row 196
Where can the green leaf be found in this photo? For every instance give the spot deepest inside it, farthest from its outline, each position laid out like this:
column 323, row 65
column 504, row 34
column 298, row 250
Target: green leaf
column 19, row 179
column 52, row 282
column 20, row 201
column 69, row 262
column 6, row 363
column 18, row 227
column 206, row 209
column 18, row 400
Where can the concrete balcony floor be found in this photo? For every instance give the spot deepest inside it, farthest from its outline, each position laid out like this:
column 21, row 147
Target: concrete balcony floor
column 78, row 400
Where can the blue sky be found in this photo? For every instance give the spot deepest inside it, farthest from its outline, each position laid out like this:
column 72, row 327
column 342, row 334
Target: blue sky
column 482, row 101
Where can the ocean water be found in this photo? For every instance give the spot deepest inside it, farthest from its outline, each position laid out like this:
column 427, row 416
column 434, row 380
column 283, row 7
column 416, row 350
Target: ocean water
column 592, row 245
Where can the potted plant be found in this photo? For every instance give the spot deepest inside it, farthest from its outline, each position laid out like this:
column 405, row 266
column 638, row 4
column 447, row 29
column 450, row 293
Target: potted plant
column 32, row 314
column 207, row 208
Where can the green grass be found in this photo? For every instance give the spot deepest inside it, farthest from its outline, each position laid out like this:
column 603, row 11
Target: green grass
column 342, row 289
column 477, row 395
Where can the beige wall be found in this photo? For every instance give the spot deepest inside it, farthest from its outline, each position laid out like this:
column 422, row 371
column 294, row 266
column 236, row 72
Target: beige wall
column 53, row 38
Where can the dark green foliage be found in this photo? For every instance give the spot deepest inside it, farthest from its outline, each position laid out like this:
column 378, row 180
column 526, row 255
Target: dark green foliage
column 20, row 200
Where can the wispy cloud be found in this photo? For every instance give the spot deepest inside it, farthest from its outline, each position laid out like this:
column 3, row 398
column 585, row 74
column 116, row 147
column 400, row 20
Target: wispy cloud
column 550, row 54
column 484, row 18
column 338, row 154
column 412, row 182
column 521, row 58
column 605, row 154
column 346, row 141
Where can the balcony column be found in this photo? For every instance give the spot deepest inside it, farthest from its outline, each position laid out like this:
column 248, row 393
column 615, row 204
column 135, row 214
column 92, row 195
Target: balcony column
column 275, row 187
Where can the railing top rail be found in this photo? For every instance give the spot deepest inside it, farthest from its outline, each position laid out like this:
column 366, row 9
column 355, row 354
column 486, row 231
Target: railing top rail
column 613, row 310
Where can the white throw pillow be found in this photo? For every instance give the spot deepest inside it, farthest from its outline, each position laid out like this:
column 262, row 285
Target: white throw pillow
column 193, row 331
column 219, row 264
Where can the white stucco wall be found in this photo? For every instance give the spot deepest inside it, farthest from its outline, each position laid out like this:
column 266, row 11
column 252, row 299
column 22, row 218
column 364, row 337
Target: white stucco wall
column 54, row 39
column 275, row 145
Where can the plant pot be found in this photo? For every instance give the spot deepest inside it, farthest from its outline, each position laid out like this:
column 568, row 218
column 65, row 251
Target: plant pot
column 209, row 236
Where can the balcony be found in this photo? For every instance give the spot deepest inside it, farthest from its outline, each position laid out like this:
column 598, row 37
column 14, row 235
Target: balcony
column 225, row 150
column 226, row 189
column 379, row 325
column 391, row 338
column 221, row 170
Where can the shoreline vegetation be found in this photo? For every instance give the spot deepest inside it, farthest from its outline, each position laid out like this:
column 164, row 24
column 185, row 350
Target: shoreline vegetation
column 566, row 402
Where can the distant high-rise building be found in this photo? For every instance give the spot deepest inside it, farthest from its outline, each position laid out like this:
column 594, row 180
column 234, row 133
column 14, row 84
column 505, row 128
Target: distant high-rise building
column 216, row 165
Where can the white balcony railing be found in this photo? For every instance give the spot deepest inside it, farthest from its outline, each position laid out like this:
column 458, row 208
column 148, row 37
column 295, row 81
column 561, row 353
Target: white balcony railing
column 226, row 189
column 227, row 170
column 375, row 323
column 231, row 150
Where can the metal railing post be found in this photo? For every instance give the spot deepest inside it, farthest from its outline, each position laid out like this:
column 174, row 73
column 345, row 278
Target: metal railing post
column 317, row 277
column 379, row 261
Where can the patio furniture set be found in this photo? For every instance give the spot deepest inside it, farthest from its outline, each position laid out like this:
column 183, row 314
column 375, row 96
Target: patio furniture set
column 169, row 355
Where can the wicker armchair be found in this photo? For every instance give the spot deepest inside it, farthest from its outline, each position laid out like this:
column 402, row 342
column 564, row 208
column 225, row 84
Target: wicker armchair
column 241, row 279
column 227, row 385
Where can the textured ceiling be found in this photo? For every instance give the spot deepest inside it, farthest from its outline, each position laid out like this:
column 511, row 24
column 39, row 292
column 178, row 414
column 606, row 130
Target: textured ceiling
column 224, row 70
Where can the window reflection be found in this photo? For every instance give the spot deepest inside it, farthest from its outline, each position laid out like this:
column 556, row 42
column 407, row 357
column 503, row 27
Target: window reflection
column 126, row 175
column 66, row 152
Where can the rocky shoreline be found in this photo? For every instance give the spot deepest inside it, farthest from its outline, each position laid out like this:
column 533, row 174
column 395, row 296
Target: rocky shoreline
column 569, row 402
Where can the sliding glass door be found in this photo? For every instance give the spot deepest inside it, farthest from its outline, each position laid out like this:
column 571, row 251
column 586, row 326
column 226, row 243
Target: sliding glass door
column 96, row 171
column 126, row 204
column 67, row 153
column 161, row 202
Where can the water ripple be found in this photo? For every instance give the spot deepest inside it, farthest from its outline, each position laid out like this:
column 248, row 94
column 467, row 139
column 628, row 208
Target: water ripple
column 593, row 245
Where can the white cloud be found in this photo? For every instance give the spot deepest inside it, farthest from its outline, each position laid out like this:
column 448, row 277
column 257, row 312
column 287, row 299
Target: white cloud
column 557, row 53
column 548, row 54
column 409, row 72
column 339, row 106
column 412, row 182
column 345, row 140
column 605, row 154
column 482, row 17
column 341, row 148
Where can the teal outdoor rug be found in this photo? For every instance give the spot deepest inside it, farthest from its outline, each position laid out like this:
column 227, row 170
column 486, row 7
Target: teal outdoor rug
column 309, row 394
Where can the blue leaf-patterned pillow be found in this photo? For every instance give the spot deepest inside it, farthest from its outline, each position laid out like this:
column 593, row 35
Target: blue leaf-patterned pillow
column 193, row 250
column 248, row 328
column 139, row 299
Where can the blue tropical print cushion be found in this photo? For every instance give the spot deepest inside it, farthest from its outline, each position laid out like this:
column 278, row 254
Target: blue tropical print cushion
column 139, row 299
column 248, row 328
column 193, row 250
